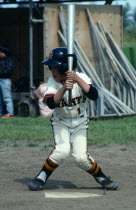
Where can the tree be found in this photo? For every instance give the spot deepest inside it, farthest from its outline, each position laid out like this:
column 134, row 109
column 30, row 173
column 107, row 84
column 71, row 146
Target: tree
column 127, row 18
column 134, row 17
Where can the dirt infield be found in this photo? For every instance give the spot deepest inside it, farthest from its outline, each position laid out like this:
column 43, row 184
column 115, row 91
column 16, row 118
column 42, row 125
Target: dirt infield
column 19, row 165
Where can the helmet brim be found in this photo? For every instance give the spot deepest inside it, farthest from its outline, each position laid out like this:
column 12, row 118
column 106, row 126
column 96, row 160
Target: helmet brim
column 51, row 62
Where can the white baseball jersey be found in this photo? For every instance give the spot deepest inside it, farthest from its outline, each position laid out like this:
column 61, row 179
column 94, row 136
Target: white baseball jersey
column 78, row 98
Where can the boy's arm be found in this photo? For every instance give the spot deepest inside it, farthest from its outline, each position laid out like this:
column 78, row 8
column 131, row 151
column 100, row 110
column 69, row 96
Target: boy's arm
column 58, row 96
column 90, row 91
column 84, row 86
column 53, row 100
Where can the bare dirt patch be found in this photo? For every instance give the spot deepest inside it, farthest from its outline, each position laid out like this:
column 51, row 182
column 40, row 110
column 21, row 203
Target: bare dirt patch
column 19, row 165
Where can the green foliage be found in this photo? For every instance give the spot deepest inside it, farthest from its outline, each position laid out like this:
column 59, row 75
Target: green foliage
column 129, row 26
column 129, row 38
column 34, row 131
column 129, row 17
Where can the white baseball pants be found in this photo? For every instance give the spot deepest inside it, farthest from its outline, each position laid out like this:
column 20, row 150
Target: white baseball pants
column 71, row 133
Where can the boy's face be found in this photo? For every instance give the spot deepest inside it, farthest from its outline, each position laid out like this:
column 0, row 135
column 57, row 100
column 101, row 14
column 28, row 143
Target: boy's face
column 57, row 76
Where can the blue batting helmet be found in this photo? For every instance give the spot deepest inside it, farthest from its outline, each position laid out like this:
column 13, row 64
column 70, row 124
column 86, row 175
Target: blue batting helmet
column 59, row 57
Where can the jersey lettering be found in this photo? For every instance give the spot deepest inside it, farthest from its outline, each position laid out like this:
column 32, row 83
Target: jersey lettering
column 75, row 101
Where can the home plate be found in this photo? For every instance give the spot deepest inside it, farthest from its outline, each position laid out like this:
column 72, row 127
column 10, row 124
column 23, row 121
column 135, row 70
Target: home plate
column 69, row 195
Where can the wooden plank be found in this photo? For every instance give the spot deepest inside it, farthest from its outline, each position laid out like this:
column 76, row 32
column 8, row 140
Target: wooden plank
column 50, row 36
column 118, row 66
column 135, row 102
column 113, row 116
column 122, row 57
column 124, row 94
column 101, row 102
column 51, row 26
column 112, row 84
column 108, row 95
column 114, row 98
column 132, row 98
column 98, row 54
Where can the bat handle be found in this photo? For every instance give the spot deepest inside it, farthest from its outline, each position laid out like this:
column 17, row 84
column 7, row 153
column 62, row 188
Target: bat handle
column 70, row 66
column 70, row 100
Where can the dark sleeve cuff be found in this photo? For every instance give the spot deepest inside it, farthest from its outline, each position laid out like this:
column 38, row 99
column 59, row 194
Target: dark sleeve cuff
column 50, row 102
column 93, row 93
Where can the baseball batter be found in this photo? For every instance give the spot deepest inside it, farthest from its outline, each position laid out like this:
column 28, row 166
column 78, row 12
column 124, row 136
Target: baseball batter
column 69, row 126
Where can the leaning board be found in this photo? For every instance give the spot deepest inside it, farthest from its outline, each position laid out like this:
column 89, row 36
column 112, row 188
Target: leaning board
column 110, row 16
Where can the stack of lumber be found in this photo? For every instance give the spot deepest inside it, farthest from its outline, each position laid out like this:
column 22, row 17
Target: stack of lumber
column 113, row 75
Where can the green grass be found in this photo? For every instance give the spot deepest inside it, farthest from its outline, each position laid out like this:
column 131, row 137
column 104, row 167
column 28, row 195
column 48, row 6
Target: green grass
column 38, row 130
column 30, row 129
column 120, row 131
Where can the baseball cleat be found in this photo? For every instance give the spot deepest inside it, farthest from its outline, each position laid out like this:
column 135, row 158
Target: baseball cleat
column 109, row 184
column 36, row 184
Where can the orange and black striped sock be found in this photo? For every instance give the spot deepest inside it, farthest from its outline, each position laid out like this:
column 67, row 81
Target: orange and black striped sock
column 96, row 171
column 49, row 166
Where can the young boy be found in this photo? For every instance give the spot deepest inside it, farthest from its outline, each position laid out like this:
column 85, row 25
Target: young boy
column 69, row 126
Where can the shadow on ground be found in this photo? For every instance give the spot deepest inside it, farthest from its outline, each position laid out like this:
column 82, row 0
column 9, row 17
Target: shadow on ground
column 56, row 184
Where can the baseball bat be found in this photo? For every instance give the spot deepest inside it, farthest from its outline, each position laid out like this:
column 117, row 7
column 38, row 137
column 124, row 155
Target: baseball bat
column 70, row 43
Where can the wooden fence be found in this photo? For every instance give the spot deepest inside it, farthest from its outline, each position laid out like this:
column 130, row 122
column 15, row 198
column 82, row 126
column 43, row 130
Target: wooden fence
column 99, row 56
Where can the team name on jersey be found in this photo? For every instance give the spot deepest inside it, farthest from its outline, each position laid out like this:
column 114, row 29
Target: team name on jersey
column 74, row 101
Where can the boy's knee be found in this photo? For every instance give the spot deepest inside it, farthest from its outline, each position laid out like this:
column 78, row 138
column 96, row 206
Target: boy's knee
column 80, row 160
column 64, row 155
column 59, row 155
